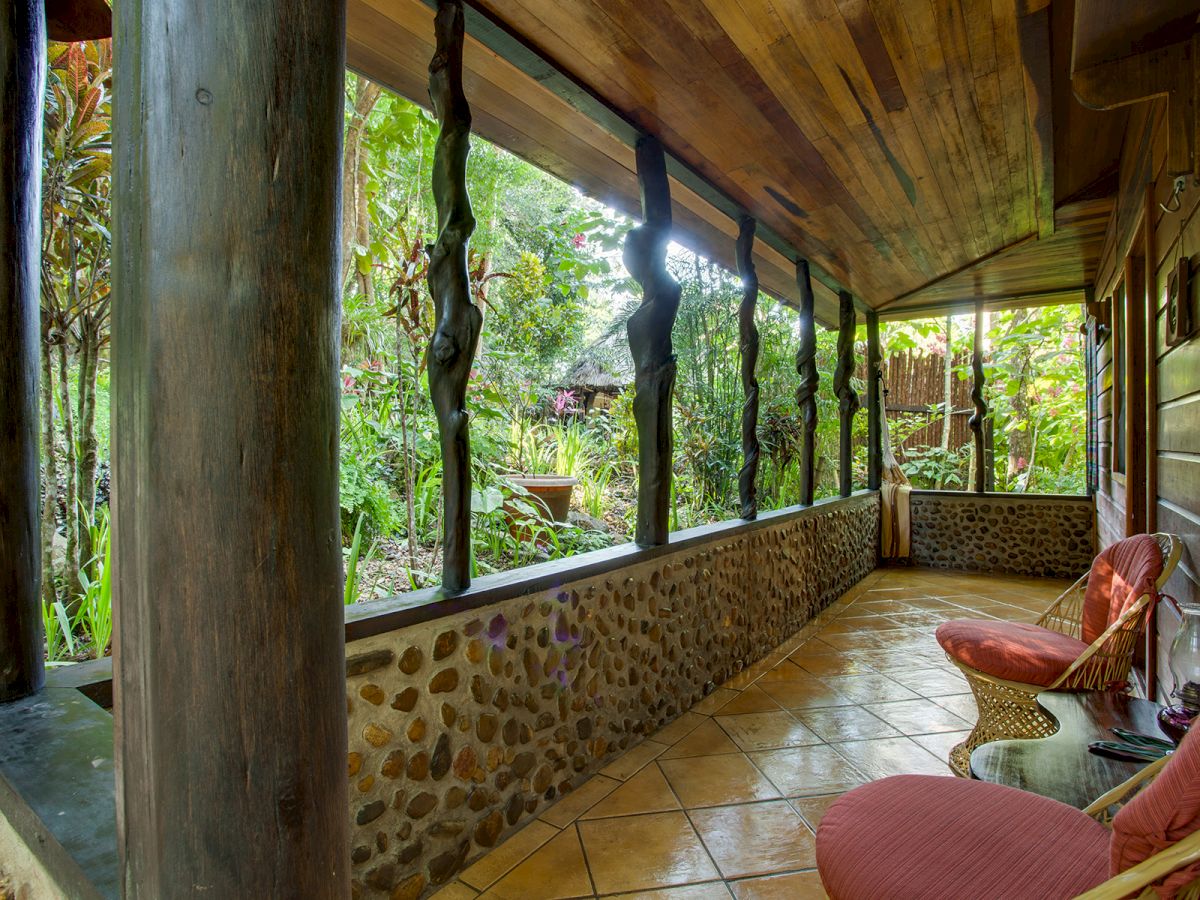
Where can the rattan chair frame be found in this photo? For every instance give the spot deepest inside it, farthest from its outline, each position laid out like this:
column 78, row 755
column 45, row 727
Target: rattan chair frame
column 1009, row 709
column 1138, row 881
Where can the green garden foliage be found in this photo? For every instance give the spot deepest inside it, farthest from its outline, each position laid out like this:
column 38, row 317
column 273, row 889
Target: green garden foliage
column 546, row 271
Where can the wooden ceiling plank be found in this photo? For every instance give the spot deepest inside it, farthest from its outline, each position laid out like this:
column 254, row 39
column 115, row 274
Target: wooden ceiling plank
column 921, row 27
column 974, row 117
column 864, row 31
column 835, row 56
column 1033, row 32
column 1012, row 94
column 952, row 36
column 923, row 141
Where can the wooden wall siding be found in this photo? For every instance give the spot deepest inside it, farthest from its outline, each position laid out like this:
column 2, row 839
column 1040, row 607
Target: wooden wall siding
column 888, row 141
column 1176, row 412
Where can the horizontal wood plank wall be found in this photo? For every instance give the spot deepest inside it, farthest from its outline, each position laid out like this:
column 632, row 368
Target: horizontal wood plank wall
column 1177, row 454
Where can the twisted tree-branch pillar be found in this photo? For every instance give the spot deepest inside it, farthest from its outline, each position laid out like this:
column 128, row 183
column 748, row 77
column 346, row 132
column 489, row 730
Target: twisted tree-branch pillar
column 22, row 85
column 649, row 332
column 748, row 337
column 458, row 320
column 874, row 403
column 976, row 422
column 844, row 389
column 806, row 393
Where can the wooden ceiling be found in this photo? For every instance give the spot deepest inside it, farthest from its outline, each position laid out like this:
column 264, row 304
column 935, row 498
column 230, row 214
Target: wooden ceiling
column 910, row 149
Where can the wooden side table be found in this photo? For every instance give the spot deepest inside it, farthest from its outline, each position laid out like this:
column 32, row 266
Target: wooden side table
column 1060, row 766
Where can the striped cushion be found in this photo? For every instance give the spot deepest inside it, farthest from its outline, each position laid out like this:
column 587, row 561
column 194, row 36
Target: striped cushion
column 922, row 837
column 1119, row 575
column 1165, row 811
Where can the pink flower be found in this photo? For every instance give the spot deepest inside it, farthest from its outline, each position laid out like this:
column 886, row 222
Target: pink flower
column 1022, row 462
column 579, row 241
column 347, row 383
column 564, row 402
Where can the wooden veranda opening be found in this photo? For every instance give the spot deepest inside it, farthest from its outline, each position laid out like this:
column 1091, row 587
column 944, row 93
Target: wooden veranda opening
column 856, row 160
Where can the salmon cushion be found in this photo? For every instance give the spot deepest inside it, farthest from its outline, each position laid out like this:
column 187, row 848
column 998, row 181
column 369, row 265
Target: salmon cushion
column 1121, row 574
column 925, row 837
column 1165, row 811
column 1013, row 651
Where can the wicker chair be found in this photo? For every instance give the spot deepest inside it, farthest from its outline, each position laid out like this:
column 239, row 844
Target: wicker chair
column 896, row 820
column 1009, row 709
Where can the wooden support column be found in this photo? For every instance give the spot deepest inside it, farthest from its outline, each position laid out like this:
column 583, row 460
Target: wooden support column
column 806, row 393
column 458, row 321
column 843, row 388
column 649, row 331
column 976, row 422
column 1135, row 391
column 229, row 663
column 874, row 403
column 748, row 334
column 23, row 74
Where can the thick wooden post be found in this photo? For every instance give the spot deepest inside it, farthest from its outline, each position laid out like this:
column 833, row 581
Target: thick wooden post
column 458, row 321
column 806, row 393
column 748, row 334
column 23, row 74
column 875, row 422
column 649, row 331
column 843, row 388
column 230, row 647
column 976, row 422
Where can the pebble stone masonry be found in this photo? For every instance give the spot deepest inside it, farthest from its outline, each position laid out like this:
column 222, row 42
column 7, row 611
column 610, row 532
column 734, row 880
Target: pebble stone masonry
column 1037, row 535
column 465, row 727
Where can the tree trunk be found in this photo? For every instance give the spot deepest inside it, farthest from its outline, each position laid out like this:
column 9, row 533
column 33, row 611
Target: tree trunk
column 366, row 95
column 50, row 483
column 89, row 334
column 948, row 395
column 71, row 563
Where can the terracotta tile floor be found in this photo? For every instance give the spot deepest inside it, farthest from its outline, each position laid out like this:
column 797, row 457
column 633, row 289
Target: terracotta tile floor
column 724, row 801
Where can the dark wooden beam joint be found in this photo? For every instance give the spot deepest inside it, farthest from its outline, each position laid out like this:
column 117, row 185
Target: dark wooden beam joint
column 649, row 331
column 874, row 403
column 1125, row 53
column 748, row 341
column 806, row 393
column 843, row 388
column 976, row 422
column 22, row 84
column 458, row 320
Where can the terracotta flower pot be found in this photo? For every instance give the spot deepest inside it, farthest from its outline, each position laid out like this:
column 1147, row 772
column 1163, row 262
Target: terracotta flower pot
column 550, row 495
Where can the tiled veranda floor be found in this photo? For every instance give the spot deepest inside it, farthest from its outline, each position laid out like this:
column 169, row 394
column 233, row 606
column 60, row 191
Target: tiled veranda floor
column 724, row 801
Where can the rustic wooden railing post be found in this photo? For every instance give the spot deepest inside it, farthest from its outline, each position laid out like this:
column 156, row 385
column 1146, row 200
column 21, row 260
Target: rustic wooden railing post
column 843, row 389
column 976, row 422
column 649, row 331
column 874, row 403
column 458, row 320
column 806, row 393
column 22, row 85
column 229, row 664
column 748, row 338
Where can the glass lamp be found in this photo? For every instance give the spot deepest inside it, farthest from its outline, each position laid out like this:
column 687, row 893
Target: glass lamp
column 1184, row 662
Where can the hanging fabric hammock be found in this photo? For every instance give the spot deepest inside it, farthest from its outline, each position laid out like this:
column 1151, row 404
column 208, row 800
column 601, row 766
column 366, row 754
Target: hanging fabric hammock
column 895, row 533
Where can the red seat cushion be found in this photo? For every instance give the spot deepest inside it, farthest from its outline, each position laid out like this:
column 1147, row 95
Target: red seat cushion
column 1119, row 575
column 1165, row 811
column 1010, row 650
column 924, row 837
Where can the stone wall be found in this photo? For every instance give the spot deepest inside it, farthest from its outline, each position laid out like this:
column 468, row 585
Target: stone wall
column 1010, row 534
column 464, row 727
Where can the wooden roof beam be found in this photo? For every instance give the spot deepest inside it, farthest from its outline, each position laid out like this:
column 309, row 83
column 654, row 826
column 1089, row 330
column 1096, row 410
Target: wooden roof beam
column 1124, row 53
